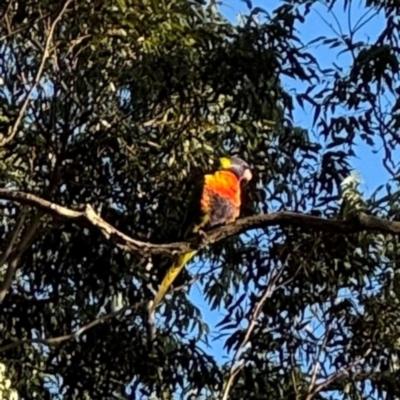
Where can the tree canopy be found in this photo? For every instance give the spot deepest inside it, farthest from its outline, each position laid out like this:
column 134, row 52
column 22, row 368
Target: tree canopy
column 109, row 111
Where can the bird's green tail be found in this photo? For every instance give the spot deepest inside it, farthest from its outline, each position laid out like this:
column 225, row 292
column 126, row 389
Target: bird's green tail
column 170, row 276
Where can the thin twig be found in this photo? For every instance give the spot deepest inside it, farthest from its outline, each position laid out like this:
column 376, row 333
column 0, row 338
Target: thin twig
column 8, row 8
column 24, row 243
column 45, row 56
column 14, row 235
column 336, row 375
column 82, row 329
column 238, row 364
column 317, row 364
column 75, row 333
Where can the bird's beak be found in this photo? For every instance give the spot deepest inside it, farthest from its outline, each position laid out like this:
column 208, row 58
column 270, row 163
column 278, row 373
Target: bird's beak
column 247, row 175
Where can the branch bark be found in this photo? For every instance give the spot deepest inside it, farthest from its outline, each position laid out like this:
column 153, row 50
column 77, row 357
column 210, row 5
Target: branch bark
column 363, row 222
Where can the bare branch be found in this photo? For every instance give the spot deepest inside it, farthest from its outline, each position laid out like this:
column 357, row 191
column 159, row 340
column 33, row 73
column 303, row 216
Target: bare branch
column 7, row 281
column 8, row 8
column 24, row 243
column 336, row 375
column 45, row 56
column 238, row 364
column 363, row 222
column 317, row 364
column 14, row 235
column 75, row 333
column 84, row 328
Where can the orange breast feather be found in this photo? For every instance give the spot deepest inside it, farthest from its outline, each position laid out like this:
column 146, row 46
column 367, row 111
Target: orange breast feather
column 224, row 184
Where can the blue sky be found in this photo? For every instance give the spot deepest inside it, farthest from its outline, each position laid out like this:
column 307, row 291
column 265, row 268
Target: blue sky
column 368, row 161
column 373, row 172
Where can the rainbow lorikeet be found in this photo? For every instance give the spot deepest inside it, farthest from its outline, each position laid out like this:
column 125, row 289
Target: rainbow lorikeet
column 218, row 202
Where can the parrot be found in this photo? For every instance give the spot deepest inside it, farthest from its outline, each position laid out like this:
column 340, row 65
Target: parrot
column 217, row 203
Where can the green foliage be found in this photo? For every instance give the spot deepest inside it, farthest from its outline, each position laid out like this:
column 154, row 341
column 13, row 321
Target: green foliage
column 134, row 101
column 6, row 391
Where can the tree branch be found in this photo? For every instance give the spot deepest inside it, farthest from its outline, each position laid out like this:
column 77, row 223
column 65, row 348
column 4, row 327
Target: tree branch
column 237, row 362
column 317, row 362
column 363, row 222
column 336, row 375
column 14, row 236
column 86, row 327
column 75, row 333
column 18, row 250
column 46, row 52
